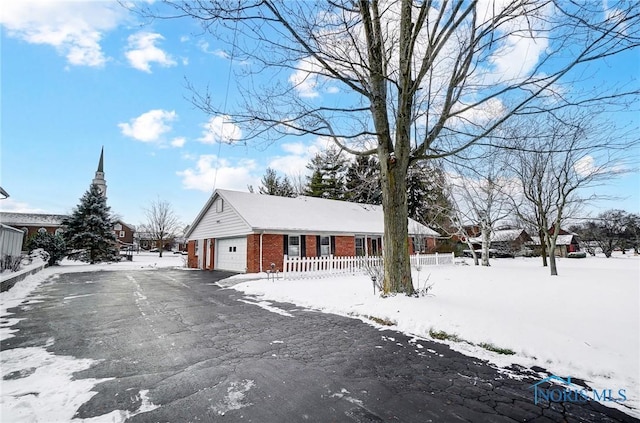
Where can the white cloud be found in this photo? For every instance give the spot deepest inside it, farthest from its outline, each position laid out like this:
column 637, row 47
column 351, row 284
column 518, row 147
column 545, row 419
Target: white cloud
column 228, row 176
column 73, row 28
column 300, row 154
column 178, row 142
column 305, row 78
column 149, row 126
column 585, row 166
column 142, row 51
column 11, row 205
column 220, row 129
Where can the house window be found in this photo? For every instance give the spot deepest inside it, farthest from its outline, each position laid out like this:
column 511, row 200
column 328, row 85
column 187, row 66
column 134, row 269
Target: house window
column 118, row 227
column 294, row 246
column 121, row 234
column 360, row 246
column 42, row 231
column 219, row 205
column 59, row 231
column 325, row 246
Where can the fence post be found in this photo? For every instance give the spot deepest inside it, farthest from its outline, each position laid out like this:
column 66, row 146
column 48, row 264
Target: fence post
column 436, row 258
column 453, row 258
column 284, row 266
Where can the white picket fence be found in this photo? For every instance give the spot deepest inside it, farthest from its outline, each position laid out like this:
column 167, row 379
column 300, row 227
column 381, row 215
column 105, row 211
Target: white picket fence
column 317, row 267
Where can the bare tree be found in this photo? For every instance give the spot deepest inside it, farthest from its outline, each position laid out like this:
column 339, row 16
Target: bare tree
column 162, row 223
column 480, row 188
column 557, row 156
column 417, row 80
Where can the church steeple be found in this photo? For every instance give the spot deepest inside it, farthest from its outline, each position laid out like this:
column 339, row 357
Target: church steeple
column 99, row 180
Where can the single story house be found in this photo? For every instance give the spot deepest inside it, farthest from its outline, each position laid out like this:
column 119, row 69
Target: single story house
column 32, row 223
column 567, row 242
column 511, row 242
column 246, row 232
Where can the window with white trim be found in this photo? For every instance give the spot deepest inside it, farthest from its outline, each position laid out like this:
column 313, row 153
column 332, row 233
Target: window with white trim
column 42, row 231
column 325, row 246
column 219, row 205
column 117, row 227
column 360, row 246
column 294, row 246
column 121, row 234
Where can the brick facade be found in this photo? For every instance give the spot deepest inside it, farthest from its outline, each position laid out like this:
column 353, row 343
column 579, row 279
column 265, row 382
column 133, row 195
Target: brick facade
column 273, row 250
column 345, row 246
column 192, row 259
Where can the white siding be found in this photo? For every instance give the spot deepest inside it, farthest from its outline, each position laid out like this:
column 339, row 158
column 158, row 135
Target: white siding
column 220, row 225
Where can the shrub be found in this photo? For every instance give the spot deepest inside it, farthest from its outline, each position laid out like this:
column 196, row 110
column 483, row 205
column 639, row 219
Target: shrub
column 11, row 263
column 54, row 245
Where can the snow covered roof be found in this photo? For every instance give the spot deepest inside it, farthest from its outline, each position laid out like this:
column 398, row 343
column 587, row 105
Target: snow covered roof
column 562, row 240
column 501, row 235
column 306, row 214
column 31, row 219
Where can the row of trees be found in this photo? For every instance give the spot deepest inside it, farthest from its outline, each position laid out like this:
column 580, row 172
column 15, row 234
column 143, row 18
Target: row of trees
column 332, row 176
column 88, row 232
column 609, row 231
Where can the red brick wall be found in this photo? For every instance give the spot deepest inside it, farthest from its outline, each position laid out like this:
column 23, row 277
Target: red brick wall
column 212, row 254
column 272, row 252
column 311, row 250
column 253, row 253
column 345, row 246
column 192, row 259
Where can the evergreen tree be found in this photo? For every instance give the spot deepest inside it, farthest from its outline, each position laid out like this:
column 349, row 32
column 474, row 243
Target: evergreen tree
column 54, row 245
column 328, row 175
column 427, row 200
column 272, row 184
column 362, row 181
column 89, row 229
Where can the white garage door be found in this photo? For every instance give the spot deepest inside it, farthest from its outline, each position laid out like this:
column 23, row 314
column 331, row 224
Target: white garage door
column 231, row 254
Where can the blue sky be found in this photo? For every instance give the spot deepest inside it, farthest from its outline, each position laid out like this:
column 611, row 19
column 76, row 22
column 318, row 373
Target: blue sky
column 77, row 76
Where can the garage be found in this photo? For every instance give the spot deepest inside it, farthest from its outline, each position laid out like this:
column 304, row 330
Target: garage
column 231, row 254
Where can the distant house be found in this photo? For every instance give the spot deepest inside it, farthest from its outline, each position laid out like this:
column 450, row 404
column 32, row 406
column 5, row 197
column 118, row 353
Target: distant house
column 567, row 242
column 246, row 232
column 124, row 232
column 506, row 241
column 32, row 223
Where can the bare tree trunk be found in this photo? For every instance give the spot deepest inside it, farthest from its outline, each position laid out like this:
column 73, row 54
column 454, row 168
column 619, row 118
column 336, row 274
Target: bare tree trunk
column 486, row 242
column 543, row 247
column 397, row 267
column 552, row 258
column 161, row 247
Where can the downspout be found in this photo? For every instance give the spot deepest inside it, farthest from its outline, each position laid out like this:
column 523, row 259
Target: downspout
column 261, row 233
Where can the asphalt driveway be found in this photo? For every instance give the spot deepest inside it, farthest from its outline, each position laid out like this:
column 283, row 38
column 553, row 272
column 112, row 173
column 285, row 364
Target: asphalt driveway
column 205, row 353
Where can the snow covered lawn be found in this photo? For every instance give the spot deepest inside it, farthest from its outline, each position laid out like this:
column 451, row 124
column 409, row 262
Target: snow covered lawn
column 38, row 386
column 584, row 323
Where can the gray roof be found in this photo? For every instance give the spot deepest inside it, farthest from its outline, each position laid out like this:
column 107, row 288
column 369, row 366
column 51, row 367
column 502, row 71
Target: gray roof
column 31, row 219
column 306, row 214
column 501, row 235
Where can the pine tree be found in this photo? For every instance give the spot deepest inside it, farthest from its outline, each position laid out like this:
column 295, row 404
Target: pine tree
column 53, row 244
column 272, row 184
column 362, row 181
column 89, row 229
column 328, row 173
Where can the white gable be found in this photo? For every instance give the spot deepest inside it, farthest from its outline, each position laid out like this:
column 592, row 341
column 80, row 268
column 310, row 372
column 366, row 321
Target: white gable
column 301, row 214
column 220, row 220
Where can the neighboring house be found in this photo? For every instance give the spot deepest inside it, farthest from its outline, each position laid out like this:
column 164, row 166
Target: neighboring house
column 506, row 241
column 124, row 233
column 567, row 242
column 247, row 232
column 32, row 223
column 11, row 239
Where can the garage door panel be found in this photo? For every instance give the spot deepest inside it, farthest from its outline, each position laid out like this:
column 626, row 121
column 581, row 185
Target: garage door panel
column 231, row 254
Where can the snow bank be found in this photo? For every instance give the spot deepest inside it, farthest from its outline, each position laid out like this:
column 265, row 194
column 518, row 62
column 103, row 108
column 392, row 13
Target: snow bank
column 584, row 323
